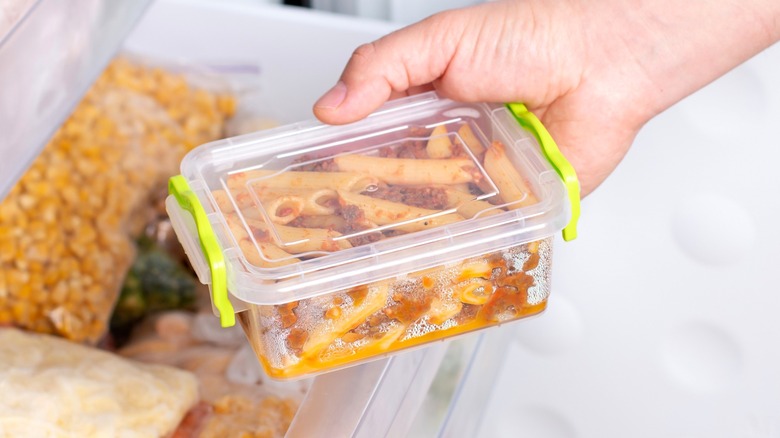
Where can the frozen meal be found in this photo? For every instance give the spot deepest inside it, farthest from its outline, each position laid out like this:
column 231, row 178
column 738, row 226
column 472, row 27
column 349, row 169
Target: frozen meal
column 337, row 244
column 235, row 401
column 55, row 388
column 67, row 227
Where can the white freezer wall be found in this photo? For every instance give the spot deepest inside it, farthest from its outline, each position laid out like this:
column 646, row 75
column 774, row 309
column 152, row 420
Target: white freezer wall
column 299, row 54
column 663, row 319
column 397, row 11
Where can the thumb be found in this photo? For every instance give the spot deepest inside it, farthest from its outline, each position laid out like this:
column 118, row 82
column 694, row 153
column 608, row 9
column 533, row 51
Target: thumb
column 413, row 56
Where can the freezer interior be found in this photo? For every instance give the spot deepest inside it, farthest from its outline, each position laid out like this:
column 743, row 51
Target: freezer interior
column 679, row 328
column 182, row 37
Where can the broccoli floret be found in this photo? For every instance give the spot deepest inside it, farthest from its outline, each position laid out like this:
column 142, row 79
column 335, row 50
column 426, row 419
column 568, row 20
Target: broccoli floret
column 155, row 282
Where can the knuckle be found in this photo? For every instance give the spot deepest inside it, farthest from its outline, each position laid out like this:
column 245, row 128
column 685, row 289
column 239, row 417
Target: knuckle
column 364, row 52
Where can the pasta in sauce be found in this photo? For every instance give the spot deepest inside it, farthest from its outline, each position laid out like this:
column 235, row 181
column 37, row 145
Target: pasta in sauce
column 331, row 204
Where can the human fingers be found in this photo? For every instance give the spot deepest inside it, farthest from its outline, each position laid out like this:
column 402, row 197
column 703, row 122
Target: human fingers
column 400, row 63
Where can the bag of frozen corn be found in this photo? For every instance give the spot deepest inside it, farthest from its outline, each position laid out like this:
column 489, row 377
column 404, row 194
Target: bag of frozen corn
column 67, row 227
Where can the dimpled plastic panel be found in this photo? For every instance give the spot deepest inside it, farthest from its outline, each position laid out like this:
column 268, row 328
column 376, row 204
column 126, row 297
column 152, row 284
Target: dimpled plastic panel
column 664, row 322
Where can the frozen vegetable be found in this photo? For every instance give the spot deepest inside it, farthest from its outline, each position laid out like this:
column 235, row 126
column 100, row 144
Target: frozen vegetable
column 55, row 388
column 155, row 282
column 67, row 227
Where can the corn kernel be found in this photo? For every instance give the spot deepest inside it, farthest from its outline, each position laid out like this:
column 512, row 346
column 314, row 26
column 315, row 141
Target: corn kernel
column 67, row 225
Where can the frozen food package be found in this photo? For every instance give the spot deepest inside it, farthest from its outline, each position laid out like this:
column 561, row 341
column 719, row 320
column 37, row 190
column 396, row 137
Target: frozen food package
column 235, row 397
column 333, row 245
column 67, row 228
column 55, row 388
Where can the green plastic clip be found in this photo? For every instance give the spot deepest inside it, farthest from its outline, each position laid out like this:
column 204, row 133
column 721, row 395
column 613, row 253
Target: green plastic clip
column 180, row 189
column 530, row 122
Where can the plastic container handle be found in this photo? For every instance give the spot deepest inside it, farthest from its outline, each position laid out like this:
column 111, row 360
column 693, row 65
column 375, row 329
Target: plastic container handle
column 180, row 189
column 565, row 170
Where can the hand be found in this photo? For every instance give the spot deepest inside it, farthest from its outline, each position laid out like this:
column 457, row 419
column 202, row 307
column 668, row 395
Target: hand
column 593, row 72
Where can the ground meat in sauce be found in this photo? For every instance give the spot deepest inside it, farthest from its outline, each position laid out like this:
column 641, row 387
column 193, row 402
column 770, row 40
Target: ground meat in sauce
column 287, row 313
column 409, row 304
column 326, row 165
column 365, row 239
column 353, row 215
column 458, row 151
column 355, row 222
column 433, row 198
column 358, row 294
column 467, row 313
column 261, row 235
column 297, row 222
column 409, row 149
column 510, row 296
column 297, row 338
column 475, row 190
column 532, row 262
column 371, row 328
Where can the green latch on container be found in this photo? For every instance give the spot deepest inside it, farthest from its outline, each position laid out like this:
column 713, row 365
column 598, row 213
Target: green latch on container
column 180, row 189
column 529, row 121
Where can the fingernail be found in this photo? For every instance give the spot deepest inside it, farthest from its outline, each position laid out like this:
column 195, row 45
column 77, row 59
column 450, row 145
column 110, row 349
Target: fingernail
column 333, row 98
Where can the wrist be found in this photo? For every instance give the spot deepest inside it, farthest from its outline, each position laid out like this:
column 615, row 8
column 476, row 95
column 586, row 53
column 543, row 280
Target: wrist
column 656, row 52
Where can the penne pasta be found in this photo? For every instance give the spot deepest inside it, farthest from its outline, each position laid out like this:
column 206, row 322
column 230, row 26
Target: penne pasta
column 382, row 212
column 380, row 342
column 350, row 317
column 236, row 227
column 330, row 222
column 315, row 201
column 246, row 205
column 410, row 171
column 277, row 201
column 471, row 141
column 439, row 144
column 298, row 240
column 476, row 291
column 443, row 309
column 462, row 187
column 467, row 206
column 475, row 269
column 353, row 181
column 222, row 199
column 474, row 208
column 512, row 186
column 283, row 209
column 272, row 256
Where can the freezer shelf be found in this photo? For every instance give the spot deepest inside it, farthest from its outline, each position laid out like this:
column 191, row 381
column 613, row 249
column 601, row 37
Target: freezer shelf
column 455, row 404
column 438, row 391
column 48, row 59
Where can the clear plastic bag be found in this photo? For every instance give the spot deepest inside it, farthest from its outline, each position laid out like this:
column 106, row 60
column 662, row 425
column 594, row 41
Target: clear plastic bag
column 67, row 228
column 237, row 398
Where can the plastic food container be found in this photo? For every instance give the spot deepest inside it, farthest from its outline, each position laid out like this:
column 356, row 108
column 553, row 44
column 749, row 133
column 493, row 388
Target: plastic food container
column 339, row 244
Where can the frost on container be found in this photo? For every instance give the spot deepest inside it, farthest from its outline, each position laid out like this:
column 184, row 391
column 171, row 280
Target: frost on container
column 427, row 220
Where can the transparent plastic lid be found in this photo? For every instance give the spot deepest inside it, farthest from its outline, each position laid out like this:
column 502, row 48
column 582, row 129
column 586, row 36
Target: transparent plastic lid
column 307, row 209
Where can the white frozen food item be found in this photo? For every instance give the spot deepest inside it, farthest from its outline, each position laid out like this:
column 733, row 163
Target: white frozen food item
column 55, row 388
